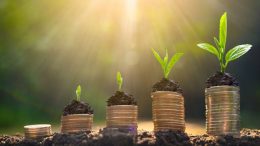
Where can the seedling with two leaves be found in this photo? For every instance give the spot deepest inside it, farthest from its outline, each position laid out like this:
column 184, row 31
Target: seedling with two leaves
column 219, row 51
column 165, row 63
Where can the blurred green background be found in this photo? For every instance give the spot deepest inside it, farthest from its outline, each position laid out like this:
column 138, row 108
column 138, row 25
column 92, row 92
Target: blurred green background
column 49, row 47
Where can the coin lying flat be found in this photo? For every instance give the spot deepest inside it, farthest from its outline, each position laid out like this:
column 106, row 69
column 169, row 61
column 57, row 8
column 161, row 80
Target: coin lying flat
column 37, row 131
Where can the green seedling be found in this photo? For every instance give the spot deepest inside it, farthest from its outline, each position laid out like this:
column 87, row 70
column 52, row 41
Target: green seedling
column 223, row 57
column 78, row 92
column 119, row 81
column 165, row 63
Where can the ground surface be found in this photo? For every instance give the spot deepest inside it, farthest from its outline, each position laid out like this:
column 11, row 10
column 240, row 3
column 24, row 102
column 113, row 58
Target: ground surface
column 249, row 137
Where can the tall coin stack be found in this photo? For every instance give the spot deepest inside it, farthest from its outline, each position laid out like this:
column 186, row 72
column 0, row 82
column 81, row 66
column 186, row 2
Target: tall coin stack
column 223, row 110
column 76, row 122
column 37, row 131
column 122, row 116
column 168, row 111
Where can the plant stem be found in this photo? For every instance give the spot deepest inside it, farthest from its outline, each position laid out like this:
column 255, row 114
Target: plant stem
column 165, row 76
column 222, row 65
column 222, row 68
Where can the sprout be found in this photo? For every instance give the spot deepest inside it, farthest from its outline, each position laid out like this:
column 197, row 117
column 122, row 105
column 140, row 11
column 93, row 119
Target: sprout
column 167, row 66
column 78, row 92
column 119, row 81
column 232, row 54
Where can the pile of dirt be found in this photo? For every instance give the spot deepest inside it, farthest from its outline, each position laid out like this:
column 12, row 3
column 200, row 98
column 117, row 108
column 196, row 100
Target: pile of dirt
column 121, row 98
column 248, row 137
column 170, row 138
column 10, row 140
column 167, row 85
column 146, row 138
column 77, row 107
column 220, row 78
column 77, row 139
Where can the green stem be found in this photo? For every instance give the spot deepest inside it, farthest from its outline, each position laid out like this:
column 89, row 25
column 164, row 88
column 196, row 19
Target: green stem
column 222, row 68
column 222, row 64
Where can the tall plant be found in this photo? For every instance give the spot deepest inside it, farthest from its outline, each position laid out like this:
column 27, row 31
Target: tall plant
column 220, row 49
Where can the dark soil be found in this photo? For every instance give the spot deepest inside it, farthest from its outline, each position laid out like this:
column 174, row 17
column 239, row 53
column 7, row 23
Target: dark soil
column 77, row 107
column 220, row 78
column 167, row 85
column 121, row 98
column 248, row 137
column 172, row 138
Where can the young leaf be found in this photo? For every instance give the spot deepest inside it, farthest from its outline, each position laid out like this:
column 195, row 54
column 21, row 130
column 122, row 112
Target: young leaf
column 159, row 59
column 165, row 61
column 209, row 48
column 217, row 43
column 237, row 52
column 172, row 62
column 223, row 32
column 119, row 81
column 78, row 92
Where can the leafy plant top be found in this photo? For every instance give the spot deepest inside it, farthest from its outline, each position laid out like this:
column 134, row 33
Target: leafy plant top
column 219, row 51
column 119, row 81
column 165, row 63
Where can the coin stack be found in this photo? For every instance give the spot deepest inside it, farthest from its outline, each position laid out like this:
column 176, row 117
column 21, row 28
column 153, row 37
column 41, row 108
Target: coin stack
column 76, row 122
column 223, row 110
column 122, row 116
column 168, row 111
column 37, row 131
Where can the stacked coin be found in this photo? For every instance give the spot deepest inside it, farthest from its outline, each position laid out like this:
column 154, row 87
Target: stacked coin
column 76, row 122
column 168, row 111
column 37, row 131
column 122, row 116
column 223, row 110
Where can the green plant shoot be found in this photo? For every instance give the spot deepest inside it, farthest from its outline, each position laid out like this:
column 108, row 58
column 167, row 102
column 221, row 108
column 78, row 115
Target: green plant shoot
column 119, row 81
column 220, row 49
column 165, row 63
column 78, row 92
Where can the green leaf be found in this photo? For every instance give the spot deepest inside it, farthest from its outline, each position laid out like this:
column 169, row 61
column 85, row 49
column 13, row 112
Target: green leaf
column 159, row 59
column 165, row 61
column 209, row 48
column 217, row 43
column 237, row 52
column 119, row 81
column 172, row 62
column 78, row 92
column 223, row 32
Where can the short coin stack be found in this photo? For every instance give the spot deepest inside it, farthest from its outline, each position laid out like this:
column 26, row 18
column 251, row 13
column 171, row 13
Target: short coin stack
column 168, row 111
column 37, row 131
column 76, row 122
column 223, row 110
column 122, row 116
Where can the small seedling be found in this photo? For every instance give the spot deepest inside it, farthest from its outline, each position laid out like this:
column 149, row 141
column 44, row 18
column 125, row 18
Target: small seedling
column 119, row 81
column 165, row 63
column 78, row 92
column 219, row 51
